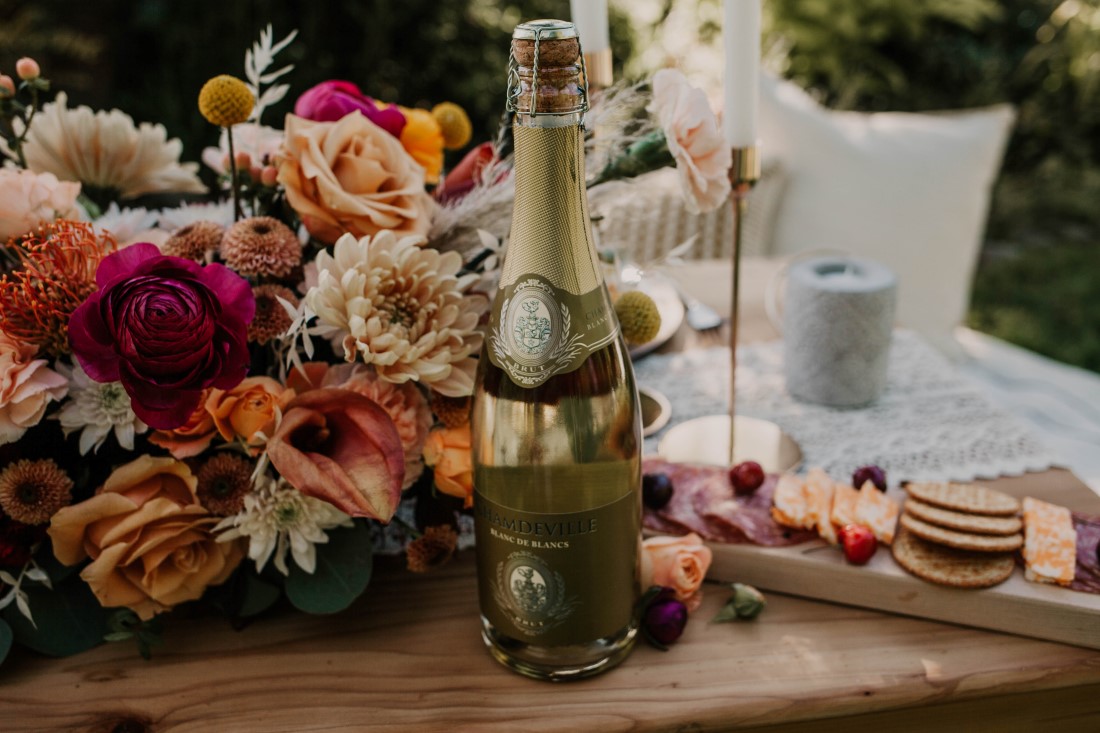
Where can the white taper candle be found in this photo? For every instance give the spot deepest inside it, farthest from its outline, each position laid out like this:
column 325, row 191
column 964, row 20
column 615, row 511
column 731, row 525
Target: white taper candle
column 741, row 35
column 590, row 17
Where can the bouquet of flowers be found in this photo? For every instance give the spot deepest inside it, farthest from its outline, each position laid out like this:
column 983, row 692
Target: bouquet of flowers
column 245, row 395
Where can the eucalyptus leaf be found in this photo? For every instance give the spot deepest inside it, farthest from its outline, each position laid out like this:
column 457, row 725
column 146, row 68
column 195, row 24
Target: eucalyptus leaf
column 258, row 595
column 67, row 619
column 342, row 574
column 6, row 638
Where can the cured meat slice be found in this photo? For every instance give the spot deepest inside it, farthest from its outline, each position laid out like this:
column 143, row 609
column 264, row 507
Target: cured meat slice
column 703, row 502
column 1087, row 576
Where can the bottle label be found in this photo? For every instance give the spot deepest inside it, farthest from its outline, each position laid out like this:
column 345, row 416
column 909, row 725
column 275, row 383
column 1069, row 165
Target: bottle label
column 554, row 579
column 538, row 330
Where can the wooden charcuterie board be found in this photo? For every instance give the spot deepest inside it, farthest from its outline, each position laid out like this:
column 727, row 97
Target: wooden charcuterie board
column 1017, row 606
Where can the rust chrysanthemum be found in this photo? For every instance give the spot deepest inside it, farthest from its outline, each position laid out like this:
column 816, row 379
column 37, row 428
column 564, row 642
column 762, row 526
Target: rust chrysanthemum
column 271, row 319
column 454, row 412
column 33, row 491
column 194, row 241
column 432, row 549
column 50, row 272
column 261, row 246
column 224, row 481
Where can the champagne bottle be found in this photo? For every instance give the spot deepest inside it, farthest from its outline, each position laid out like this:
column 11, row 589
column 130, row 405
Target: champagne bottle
column 556, row 424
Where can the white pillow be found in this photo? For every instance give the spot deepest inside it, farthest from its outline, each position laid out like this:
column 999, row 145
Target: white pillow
column 909, row 190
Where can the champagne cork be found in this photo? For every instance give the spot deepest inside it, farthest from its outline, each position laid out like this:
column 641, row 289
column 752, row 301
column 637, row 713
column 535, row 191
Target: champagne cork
column 561, row 88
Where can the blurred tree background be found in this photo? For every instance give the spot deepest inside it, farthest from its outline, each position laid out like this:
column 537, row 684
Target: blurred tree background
column 1037, row 283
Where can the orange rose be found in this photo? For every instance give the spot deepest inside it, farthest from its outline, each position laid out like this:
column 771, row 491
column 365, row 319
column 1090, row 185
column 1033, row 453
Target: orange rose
column 352, row 176
column 679, row 563
column 422, row 138
column 191, row 438
column 447, row 451
column 247, row 408
column 149, row 539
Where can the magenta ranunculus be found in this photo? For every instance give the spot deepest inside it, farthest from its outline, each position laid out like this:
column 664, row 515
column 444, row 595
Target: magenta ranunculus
column 167, row 328
column 329, row 101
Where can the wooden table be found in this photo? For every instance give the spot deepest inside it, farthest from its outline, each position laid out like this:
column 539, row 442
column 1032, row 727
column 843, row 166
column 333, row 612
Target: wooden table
column 408, row 657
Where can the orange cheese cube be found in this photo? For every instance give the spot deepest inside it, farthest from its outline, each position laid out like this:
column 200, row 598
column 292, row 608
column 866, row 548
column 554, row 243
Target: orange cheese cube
column 789, row 503
column 878, row 512
column 819, row 503
column 1050, row 543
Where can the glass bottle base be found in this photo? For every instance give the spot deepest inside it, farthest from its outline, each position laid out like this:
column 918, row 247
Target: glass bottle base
column 559, row 663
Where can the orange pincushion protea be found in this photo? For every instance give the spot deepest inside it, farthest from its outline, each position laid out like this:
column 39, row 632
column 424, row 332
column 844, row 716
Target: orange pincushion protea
column 53, row 272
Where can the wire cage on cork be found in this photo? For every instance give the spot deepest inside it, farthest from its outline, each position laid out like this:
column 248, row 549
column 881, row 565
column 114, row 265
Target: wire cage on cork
column 546, row 70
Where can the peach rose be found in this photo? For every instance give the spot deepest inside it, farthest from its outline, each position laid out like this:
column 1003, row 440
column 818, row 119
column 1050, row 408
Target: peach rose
column 679, row 563
column 149, row 539
column 404, row 403
column 352, row 176
column 27, row 386
column 447, row 451
column 191, row 438
column 28, row 199
column 244, row 410
column 695, row 140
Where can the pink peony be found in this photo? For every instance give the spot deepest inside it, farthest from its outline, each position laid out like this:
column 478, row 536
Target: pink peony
column 27, row 386
column 330, row 100
column 28, row 199
column 695, row 140
column 167, row 328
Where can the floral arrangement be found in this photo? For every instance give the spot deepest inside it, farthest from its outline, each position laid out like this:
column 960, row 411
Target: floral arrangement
column 244, row 396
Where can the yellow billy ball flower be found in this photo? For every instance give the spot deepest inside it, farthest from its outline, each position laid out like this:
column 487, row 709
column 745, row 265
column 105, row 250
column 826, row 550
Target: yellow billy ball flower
column 225, row 101
column 455, row 124
column 638, row 317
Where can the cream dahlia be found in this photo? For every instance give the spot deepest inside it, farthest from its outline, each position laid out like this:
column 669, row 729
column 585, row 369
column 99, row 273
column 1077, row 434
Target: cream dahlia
column 106, row 150
column 402, row 309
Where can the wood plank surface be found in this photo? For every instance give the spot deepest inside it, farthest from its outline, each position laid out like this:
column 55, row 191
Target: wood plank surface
column 408, row 657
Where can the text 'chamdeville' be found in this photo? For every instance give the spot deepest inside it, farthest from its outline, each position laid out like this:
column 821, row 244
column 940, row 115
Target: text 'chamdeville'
column 561, row 530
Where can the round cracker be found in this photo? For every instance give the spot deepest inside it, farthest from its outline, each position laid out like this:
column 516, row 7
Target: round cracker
column 956, row 568
column 961, row 540
column 974, row 523
column 969, row 498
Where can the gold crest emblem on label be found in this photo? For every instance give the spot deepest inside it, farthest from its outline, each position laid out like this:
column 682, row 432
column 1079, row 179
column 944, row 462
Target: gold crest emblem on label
column 539, row 330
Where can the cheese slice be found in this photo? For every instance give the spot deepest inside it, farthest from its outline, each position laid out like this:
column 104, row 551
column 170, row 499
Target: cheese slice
column 843, row 511
column 1050, row 543
column 819, row 503
column 878, row 512
column 790, row 506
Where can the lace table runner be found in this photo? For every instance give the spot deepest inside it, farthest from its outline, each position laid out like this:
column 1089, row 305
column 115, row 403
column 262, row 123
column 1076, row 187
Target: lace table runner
column 930, row 424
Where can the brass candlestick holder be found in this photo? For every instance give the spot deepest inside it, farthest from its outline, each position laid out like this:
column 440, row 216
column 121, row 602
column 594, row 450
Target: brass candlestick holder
column 730, row 439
